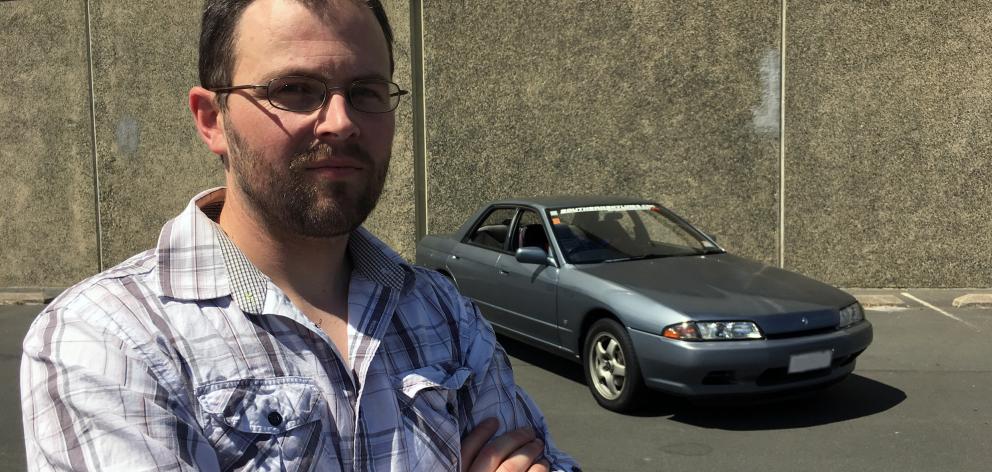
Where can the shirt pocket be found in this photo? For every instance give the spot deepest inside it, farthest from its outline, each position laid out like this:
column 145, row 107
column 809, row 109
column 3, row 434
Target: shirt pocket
column 251, row 421
column 428, row 403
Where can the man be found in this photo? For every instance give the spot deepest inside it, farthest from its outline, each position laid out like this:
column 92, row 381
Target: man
column 268, row 330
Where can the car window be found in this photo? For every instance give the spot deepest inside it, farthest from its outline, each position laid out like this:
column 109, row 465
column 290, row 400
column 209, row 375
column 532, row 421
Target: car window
column 608, row 233
column 666, row 232
column 529, row 232
column 493, row 230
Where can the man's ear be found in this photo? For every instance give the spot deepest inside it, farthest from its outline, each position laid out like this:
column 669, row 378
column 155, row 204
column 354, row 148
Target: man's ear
column 208, row 119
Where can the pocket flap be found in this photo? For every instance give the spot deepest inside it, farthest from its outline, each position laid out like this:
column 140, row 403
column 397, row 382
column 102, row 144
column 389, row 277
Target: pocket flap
column 445, row 377
column 269, row 406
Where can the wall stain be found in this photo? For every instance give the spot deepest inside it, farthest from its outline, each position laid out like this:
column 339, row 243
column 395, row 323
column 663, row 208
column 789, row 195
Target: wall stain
column 128, row 136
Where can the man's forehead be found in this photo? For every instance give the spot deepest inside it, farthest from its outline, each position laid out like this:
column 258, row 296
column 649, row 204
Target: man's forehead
column 327, row 8
column 316, row 33
column 290, row 18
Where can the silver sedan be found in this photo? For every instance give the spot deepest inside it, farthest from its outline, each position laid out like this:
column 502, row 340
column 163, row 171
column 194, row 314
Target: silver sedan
column 645, row 300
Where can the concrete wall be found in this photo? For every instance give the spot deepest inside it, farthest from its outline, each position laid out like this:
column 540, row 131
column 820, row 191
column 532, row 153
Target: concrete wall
column 885, row 150
column 139, row 137
column 888, row 142
column 644, row 98
column 149, row 159
column 47, row 213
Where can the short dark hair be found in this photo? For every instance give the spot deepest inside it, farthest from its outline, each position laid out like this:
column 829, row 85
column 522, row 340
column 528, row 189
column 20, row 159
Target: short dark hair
column 217, row 34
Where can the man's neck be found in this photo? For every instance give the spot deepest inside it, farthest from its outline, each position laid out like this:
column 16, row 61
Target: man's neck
column 316, row 270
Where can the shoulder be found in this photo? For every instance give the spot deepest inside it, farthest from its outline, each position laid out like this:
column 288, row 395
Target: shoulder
column 99, row 300
column 431, row 285
column 430, row 278
column 438, row 294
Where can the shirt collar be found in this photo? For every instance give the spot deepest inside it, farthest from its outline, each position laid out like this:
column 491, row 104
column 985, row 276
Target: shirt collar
column 190, row 262
column 197, row 261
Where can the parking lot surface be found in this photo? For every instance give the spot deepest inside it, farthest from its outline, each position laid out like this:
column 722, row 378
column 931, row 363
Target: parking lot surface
column 919, row 400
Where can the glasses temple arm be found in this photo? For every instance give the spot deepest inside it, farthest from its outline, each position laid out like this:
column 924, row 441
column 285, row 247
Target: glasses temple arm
column 237, row 87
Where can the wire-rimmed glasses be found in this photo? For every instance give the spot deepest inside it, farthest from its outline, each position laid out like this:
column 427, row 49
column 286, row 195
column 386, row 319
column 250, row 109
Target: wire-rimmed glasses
column 305, row 94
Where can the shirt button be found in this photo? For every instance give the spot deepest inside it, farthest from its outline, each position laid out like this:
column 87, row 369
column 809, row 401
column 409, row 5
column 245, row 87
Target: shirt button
column 275, row 419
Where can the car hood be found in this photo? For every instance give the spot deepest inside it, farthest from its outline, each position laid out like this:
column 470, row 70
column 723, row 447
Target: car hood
column 723, row 286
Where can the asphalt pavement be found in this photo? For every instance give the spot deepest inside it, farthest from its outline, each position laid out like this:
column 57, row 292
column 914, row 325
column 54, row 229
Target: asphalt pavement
column 14, row 322
column 917, row 401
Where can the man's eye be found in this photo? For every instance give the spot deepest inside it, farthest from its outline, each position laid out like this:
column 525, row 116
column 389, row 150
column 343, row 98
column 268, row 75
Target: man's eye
column 370, row 92
column 296, row 93
column 299, row 88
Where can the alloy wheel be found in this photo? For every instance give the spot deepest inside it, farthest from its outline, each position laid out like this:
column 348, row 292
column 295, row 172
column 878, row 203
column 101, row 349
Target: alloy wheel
column 607, row 366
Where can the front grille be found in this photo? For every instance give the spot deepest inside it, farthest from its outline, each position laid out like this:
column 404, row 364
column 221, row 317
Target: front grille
column 799, row 334
column 842, row 361
column 720, row 377
column 777, row 375
column 781, row 375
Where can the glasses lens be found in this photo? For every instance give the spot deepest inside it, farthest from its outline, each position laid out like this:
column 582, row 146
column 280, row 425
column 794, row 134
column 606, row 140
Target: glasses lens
column 374, row 96
column 297, row 93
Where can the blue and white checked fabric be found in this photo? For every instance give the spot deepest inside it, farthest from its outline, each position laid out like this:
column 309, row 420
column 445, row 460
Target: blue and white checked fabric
column 186, row 357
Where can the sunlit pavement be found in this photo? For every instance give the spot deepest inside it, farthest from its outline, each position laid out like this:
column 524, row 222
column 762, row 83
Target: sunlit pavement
column 918, row 401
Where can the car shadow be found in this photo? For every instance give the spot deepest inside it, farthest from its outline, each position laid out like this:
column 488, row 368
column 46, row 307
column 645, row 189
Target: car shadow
column 854, row 397
column 542, row 359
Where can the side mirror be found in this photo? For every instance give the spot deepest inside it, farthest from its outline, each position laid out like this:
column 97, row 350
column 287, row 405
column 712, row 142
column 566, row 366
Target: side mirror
column 532, row 255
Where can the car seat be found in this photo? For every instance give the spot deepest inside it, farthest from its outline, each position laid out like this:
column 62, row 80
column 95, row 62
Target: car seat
column 533, row 235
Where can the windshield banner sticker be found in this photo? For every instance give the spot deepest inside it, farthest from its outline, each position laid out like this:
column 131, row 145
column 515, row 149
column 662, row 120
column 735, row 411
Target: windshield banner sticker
column 565, row 211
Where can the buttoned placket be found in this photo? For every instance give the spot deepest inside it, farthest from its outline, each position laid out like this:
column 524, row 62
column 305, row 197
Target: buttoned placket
column 374, row 291
column 368, row 320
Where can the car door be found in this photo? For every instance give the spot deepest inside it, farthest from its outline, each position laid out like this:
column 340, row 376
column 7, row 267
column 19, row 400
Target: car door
column 529, row 301
column 473, row 260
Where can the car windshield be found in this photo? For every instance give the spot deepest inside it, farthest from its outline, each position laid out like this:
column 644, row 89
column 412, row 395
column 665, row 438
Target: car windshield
column 613, row 233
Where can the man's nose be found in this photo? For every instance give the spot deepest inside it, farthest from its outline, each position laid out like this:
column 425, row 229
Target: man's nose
column 335, row 120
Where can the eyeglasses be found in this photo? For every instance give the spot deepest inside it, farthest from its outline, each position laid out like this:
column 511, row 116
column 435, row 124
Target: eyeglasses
column 303, row 94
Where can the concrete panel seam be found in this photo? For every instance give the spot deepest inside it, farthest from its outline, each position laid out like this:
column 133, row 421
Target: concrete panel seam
column 419, row 118
column 93, row 154
column 781, row 144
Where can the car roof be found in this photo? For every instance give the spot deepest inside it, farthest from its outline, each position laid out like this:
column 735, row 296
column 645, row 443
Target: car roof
column 566, row 201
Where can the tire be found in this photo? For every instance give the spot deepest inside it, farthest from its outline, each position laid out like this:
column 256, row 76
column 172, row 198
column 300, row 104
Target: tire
column 610, row 366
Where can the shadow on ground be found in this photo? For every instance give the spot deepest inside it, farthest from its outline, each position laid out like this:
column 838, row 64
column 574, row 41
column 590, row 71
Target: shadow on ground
column 557, row 365
column 854, row 397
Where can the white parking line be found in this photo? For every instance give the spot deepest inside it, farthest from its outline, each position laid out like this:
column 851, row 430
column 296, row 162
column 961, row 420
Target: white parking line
column 886, row 308
column 942, row 312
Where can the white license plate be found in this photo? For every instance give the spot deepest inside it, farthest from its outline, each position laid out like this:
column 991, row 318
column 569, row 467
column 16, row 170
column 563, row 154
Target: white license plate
column 809, row 361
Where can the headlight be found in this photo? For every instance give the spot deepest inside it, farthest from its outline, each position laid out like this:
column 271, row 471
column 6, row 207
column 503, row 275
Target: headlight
column 851, row 314
column 713, row 331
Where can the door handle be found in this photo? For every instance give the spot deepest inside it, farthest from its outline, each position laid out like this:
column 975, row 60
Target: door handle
column 454, row 256
column 503, row 272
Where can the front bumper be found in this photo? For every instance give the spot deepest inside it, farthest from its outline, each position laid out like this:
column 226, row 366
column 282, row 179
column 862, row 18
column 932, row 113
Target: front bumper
column 744, row 367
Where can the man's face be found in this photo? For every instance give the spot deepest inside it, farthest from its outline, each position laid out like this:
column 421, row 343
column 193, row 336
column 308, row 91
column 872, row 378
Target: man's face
column 319, row 173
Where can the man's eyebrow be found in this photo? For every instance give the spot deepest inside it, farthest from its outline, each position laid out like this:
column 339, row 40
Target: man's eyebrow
column 316, row 74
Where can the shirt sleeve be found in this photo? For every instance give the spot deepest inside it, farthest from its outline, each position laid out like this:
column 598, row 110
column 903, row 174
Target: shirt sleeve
column 91, row 401
column 493, row 391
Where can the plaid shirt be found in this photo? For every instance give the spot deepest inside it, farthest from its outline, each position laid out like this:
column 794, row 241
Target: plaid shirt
column 187, row 357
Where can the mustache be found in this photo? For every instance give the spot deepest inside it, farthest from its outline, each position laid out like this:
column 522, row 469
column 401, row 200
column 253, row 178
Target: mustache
column 326, row 151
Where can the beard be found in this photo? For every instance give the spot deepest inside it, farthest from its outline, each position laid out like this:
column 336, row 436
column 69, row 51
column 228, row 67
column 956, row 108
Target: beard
column 286, row 199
